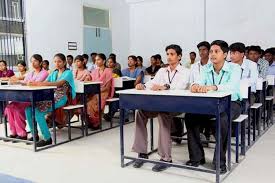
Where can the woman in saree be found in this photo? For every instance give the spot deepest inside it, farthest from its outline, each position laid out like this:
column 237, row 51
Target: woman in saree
column 15, row 111
column 81, row 73
column 62, row 78
column 104, row 75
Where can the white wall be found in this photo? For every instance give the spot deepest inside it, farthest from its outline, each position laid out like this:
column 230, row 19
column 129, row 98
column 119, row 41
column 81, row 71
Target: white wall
column 248, row 21
column 51, row 24
column 157, row 23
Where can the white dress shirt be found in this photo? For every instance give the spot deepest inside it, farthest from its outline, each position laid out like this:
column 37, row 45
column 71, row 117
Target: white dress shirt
column 195, row 71
column 250, row 71
column 177, row 79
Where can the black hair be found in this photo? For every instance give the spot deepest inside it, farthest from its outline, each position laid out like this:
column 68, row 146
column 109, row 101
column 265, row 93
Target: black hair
column 175, row 47
column 92, row 54
column 240, row 47
column 61, row 56
column 158, row 56
column 46, row 61
column 222, row 44
column 204, row 43
column 102, row 56
column 85, row 56
column 270, row 50
column 23, row 63
column 112, row 55
column 80, row 57
column 38, row 57
column 140, row 58
column 3, row 61
column 154, row 57
column 133, row 57
column 70, row 56
column 255, row 48
column 192, row 53
column 112, row 58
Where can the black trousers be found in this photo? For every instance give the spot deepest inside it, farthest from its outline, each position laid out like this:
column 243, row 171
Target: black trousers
column 193, row 124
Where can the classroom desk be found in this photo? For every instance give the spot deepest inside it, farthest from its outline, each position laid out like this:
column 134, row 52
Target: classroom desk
column 85, row 89
column 212, row 103
column 28, row 94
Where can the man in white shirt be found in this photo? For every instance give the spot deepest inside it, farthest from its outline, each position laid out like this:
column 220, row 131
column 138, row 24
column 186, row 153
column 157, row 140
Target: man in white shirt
column 249, row 68
column 70, row 60
column 195, row 73
column 197, row 67
column 173, row 77
column 91, row 65
column 188, row 64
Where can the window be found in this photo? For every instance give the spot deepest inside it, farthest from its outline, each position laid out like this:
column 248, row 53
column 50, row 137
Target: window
column 10, row 9
column 96, row 17
column 15, row 10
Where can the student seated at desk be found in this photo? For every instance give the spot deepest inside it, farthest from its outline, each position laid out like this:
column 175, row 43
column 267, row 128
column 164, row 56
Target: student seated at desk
column 111, row 63
column 81, row 73
column 195, row 74
column 113, row 56
column 15, row 111
column 153, row 69
column 269, row 56
column 46, row 65
column 22, row 72
column 70, row 62
column 104, row 75
column 254, row 54
column 216, row 76
column 173, row 77
column 132, row 71
column 248, row 68
column 190, row 62
column 140, row 63
column 5, row 73
column 63, row 79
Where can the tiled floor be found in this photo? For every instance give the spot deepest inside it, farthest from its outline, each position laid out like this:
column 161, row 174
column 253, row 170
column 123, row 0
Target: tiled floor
column 96, row 159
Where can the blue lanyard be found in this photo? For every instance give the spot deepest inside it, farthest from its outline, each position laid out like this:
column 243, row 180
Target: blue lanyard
column 214, row 79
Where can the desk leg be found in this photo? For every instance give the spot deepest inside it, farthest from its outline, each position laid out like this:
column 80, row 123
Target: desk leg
column 34, row 124
column 84, row 99
column 4, row 118
column 218, row 144
column 228, row 111
column 53, row 120
column 99, row 109
column 152, row 133
column 121, row 124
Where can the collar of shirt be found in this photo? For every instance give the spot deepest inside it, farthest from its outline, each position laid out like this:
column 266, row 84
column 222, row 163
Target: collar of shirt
column 199, row 63
column 178, row 69
column 273, row 64
column 225, row 67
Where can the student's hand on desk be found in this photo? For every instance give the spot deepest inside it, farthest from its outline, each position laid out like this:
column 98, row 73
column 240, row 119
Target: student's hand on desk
column 35, row 84
column 194, row 88
column 157, row 87
column 140, row 86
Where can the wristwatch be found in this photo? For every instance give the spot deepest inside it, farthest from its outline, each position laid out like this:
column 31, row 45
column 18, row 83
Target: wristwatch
column 167, row 86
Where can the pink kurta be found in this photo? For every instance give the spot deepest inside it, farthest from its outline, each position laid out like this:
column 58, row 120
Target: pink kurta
column 92, row 106
column 15, row 111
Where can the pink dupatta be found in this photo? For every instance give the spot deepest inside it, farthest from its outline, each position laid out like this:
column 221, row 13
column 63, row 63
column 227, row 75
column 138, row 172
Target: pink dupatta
column 105, row 77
